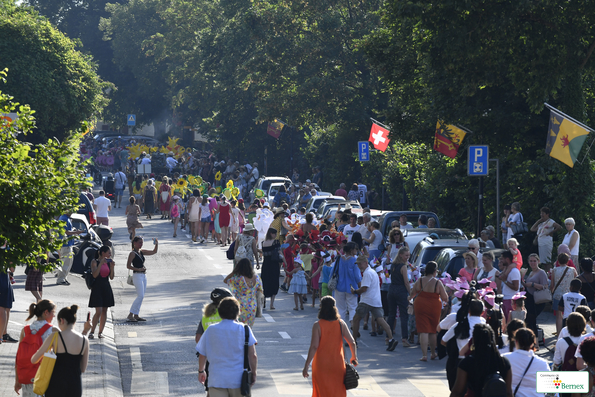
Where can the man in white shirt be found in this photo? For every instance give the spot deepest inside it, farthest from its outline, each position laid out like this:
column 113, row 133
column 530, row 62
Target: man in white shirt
column 171, row 162
column 120, row 184
column 475, row 310
column 350, row 229
column 363, row 229
column 403, row 223
column 508, row 281
column 254, row 175
column 370, row 302
column 102, row 206
column 363, row 194
column 222, row 344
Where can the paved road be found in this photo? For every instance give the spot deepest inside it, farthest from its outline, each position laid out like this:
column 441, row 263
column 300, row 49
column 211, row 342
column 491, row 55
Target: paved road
column 158, row 357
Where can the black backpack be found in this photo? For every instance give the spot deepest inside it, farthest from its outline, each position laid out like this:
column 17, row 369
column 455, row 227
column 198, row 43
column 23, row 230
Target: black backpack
column 230, row 251
column 494, row 386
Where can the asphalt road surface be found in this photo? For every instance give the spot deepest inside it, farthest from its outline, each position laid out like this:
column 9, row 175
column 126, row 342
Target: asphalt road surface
column 158, row 357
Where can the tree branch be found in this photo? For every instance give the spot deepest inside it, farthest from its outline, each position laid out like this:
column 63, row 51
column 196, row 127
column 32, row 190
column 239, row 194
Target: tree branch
column 584, row 62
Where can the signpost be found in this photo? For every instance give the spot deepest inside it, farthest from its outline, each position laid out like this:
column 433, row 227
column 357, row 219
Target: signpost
column 363, row 149
column 478, row 160
column 131, row 120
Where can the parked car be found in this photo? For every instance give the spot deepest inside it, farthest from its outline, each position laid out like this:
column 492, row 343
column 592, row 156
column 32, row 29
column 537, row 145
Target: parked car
column 387, row 218
column 273, row 190
column 264, row 183
column 315, row 202
column 327, row 205
column 86, row 209
column 427, row 249
column 414, row 236
column 451, row 260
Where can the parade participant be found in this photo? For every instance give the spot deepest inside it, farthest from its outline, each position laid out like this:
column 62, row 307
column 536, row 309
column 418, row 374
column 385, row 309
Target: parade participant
column 194, row 214
column 245, row 246
column 175, row 213
column 245, row 284
column 298, row 286
column 205, row 218
column 222, row 344
column 234, row 226
column 66, row 377
column 132, row 212
column 149, row 199
column 164, row 194
column 427, row 293
column 326, row 352
column 370, row 302
column 272, row 261
column 136, row 264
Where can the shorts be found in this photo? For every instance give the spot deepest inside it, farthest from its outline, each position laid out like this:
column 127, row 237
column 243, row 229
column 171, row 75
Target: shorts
column 364, row 308
column 555, row 303
column 324, row 291
column 119, row 192
column 206, row 219
column 102, row 221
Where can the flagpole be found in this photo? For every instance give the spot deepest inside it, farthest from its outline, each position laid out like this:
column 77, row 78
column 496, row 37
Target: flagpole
column 588, row 150
column 550, row 107
column 379, row 123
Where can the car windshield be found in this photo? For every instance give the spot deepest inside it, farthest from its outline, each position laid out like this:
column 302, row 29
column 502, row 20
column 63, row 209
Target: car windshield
column 442, row 259
column 274, row 190
column 78, row 224
column 427, row 255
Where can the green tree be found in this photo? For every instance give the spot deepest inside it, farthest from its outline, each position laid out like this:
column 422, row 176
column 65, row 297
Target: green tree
column 48, row 73
column 38, row 183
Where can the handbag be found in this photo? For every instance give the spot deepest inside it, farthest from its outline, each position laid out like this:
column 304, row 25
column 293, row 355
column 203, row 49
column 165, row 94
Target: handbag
column 542, row 296
column 351, row 377
column 247, row 374
column 519, row 228
column 46, row 368
column 130, row 280
column 332, row 283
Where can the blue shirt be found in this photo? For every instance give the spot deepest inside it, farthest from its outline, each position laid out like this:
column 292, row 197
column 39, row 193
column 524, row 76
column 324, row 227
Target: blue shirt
column 68, row 228
column 223, row 345
column 422, row 227
column 326, row 274
column 307, row 197
column 349, row 275
column 281, row 197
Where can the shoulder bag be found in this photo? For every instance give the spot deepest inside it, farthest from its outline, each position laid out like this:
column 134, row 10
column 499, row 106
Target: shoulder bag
column 46, row 368
column 524, row 373
column 519, row 228
column 559, row 281
column 332, row 283
column 543, row 295
column 247, row 374
column 351, row 380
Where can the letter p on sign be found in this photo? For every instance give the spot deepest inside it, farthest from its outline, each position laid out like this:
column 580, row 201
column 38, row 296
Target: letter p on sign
column 478, row 160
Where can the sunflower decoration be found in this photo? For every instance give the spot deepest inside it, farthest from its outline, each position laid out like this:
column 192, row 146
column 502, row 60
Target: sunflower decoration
column 182, row 183
column 259, row 193
column 235, row 192
column 198, row 180
column 154, row 149
column 201, row 189
column 192, row 180
column 229, row 184
column 218, row 176
column 218, row 190
column 227, row 193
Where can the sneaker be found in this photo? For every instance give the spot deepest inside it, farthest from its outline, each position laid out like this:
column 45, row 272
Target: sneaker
column 283, row 288
column 392, row 344
column 8, row 338
column 63, row 282
column 406, row 343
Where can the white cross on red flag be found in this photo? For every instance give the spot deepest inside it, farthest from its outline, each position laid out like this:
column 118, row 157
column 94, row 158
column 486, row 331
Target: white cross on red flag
column 379, row 137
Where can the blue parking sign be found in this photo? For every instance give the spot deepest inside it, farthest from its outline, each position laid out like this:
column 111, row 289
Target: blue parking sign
column 478, row 160
column 363, row 148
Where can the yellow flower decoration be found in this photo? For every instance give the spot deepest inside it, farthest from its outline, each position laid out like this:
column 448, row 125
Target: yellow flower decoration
column 259, row 193
column 134, row 151
column 229, row 184
column 218, row 190
column 171, row 142
column 235, row 192
column 218, row 176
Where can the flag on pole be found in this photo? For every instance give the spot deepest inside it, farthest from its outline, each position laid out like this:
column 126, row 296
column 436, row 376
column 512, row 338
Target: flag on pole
column 447, row 139
column 565, row 138
column 379, row 137
column 274, row 129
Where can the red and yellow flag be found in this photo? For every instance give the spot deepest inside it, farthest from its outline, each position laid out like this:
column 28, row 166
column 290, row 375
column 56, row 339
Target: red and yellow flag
column 448, row 138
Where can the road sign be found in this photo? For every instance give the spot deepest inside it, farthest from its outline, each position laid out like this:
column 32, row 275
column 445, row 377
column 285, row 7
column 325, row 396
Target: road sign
column 131, row 119
column 478, row 160
column 363, row 149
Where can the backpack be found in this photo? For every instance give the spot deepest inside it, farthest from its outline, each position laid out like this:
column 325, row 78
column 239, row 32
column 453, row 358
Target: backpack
column 242, row 252
column 569, row 363
column 27, row 348
column 230, row 254
column 494, row 386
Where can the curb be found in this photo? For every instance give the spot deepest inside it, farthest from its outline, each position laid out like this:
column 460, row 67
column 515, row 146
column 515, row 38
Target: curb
column 112, row 378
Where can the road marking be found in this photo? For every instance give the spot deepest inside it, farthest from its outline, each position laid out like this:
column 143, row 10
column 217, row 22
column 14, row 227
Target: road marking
column 216, row 266
column 132, row 334
column 224, row 275
column 209, row 257
column 430, row 387
column 284, row 335
column 148, row 383
column 268, row 318
column 14, row 322
column 305, row 356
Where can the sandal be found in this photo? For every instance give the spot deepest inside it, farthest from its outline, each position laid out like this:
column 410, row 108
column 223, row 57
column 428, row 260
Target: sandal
column 424, row 358
column 91, row 336
column 373, row 333
column 295, row 308
column 100, row 335
column 433, row 356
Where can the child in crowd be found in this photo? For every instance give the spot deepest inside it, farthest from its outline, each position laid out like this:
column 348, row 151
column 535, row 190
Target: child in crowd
column 518, row 311
column 299, row 285
column 306, row 255
column 571, row 300
column 183, row 219
column 517, row 258
column 175, row 213
column 317, row 265
column 584, row 311
column 326, row 276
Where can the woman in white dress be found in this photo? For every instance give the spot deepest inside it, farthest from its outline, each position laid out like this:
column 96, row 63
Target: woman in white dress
column 193, row 210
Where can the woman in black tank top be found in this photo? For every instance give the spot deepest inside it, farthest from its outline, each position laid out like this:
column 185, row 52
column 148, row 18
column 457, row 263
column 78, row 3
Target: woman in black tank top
column 136, row 263
column 398, row 292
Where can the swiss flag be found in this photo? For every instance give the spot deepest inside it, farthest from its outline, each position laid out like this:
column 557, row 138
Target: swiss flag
column 379, row 137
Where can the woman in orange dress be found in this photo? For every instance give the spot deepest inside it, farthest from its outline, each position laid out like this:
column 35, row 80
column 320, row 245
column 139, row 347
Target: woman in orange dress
column 326, row 349
column 427, row 308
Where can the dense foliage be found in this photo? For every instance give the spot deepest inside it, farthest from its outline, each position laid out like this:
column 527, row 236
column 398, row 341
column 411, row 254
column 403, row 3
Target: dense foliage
column 38, row 183
column 47, row 73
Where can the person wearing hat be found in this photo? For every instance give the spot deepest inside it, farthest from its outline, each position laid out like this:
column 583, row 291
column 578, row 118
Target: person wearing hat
column 279, row 223
column 470, row 269
column 245, row 246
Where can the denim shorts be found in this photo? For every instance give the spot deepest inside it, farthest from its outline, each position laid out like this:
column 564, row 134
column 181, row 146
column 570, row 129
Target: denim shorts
column 119, row 192
column 206, row 219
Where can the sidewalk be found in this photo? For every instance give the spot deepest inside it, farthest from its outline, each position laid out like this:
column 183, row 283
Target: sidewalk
column 102, row 377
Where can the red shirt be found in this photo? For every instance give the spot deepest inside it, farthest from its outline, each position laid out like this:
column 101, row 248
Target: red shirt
column 288, row 253
column 341, row 192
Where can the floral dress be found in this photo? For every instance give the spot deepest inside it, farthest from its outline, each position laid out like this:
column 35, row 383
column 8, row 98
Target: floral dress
column 246, row 295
